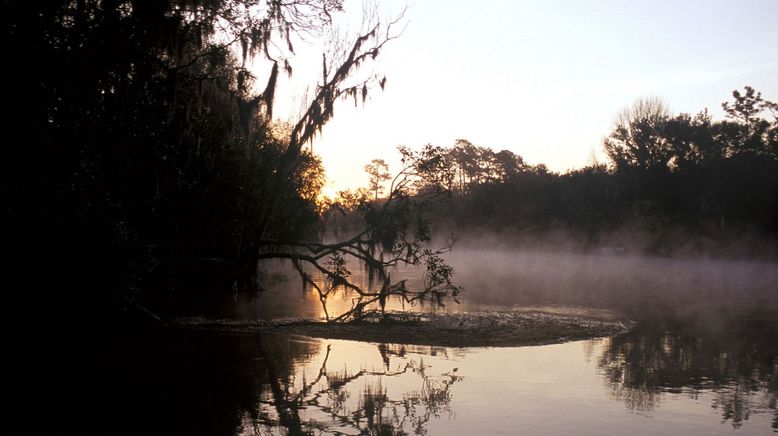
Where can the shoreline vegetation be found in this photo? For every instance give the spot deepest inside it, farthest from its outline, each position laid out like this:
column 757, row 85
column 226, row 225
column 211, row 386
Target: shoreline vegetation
column 463, row 329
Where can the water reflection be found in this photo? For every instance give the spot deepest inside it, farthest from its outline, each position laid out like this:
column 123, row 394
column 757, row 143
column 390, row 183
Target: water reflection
column 736, row 359
column 185, row 382
column 181, row 382
column 397, row 393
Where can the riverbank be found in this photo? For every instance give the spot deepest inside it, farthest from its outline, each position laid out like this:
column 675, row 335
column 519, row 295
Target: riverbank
column 465, row 329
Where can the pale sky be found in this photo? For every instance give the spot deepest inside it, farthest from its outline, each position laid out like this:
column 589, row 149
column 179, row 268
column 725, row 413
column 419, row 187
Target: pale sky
column 544, row 79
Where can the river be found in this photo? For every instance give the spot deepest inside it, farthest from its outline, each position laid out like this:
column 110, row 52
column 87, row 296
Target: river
column 703, row 358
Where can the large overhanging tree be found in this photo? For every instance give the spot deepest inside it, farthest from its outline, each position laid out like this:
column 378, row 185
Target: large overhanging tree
column 157, row 146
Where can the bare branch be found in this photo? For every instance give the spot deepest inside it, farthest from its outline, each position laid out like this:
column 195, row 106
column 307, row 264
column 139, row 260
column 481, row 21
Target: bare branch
column 332, row 88
column 395, row 233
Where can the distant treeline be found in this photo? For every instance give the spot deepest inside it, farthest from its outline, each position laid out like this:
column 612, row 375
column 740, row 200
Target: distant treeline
column 671, row 182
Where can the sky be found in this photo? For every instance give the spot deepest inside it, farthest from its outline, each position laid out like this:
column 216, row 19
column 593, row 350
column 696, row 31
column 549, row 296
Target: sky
column 544, row 79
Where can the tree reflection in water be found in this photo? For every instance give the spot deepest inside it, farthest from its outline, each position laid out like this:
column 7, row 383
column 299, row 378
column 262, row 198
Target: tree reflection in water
column 358, row 402
column 734, row 358
column 194, row 382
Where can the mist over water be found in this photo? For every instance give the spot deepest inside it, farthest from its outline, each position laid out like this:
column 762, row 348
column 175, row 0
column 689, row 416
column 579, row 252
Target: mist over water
column 627, row 283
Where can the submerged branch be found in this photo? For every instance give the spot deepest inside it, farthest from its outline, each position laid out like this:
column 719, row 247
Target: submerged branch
column 395, row 233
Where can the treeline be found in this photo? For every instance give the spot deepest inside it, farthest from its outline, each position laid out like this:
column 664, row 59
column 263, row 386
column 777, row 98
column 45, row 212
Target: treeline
column 672, row 182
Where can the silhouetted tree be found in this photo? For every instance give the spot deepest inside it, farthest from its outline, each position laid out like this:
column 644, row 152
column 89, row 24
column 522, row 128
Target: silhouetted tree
column 747, row 106
column 753, row 133
column 378, row 173
column 508, row 165
column 637, row 139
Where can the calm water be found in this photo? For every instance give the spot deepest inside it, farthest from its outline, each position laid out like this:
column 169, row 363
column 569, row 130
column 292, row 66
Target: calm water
column 703, row 359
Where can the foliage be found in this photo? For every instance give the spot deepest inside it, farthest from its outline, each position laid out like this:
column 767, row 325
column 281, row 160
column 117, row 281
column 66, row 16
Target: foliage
column 149, row 156
column 392, row 232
